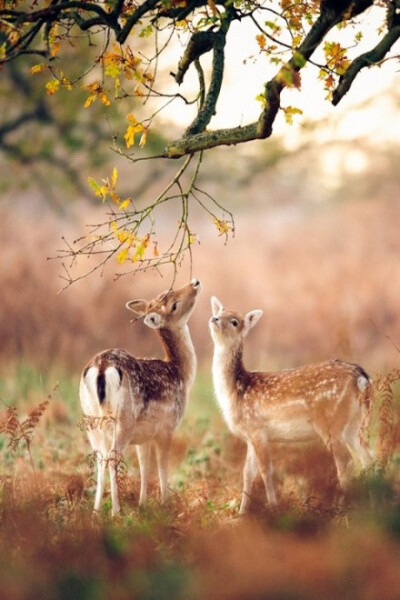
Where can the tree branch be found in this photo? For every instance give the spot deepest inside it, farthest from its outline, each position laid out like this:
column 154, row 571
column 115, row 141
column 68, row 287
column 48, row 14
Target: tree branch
column 367, row 59
column 144, row 8
column 207, row 110
column 262, row 128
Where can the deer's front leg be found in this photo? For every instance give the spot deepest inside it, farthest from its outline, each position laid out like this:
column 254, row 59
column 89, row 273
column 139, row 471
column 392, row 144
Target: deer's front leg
column 249, row 473
column 260, row 444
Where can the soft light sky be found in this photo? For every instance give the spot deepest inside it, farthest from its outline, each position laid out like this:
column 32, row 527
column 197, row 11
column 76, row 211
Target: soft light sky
column 246, row 72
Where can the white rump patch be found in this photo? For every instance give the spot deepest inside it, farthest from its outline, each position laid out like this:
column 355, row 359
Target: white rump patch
column 362, row 383
column 113, row 379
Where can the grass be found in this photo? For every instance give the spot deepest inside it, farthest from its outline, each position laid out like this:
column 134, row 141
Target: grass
column 196, row 547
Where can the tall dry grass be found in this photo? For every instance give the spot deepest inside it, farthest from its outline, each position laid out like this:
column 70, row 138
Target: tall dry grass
column 327, row 279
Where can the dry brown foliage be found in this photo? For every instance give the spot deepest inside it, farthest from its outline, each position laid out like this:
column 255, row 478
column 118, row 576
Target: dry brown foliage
column 21, row 430
column 388, row 417
column 324, row 277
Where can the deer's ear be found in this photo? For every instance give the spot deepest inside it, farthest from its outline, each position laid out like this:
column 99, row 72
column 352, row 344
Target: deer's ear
column 216, row 306
column 153, row 320
column 138, row 307
column 251, row 319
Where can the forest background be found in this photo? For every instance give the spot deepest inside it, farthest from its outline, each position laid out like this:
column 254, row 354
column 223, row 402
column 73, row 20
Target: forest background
column 316, row 246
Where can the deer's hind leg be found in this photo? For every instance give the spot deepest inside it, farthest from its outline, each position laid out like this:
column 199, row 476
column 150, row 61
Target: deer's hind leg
column 162, row 452
column 144, row 456
column 120, row 440
column 97, row 441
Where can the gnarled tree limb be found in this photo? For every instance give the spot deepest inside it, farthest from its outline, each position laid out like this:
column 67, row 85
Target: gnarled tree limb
column 374, row 56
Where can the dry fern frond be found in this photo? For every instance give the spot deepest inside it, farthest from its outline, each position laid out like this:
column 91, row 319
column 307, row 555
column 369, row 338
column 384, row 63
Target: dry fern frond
column 87, row 422
column 383, row 386
column 10, row 423
column 28, row 426
column 18, row 430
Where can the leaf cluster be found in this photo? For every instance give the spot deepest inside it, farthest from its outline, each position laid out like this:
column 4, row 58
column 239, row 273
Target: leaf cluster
column 130, row 42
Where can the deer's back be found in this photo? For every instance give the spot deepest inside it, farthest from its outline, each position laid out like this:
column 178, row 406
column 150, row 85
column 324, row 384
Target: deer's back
column 287, row 403
column 147, row 393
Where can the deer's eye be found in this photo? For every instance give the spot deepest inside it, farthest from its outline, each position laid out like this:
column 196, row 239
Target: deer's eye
column 234, row 322
column 174, row 307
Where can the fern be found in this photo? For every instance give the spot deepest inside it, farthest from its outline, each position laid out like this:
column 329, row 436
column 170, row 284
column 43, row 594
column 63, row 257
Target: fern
column 383, row 386
column 18, row 430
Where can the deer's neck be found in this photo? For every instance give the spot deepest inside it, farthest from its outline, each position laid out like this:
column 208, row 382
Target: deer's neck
column 229, row 374
column 179, row 352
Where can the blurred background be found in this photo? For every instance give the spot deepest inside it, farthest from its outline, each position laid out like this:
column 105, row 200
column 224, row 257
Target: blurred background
column 316, row 242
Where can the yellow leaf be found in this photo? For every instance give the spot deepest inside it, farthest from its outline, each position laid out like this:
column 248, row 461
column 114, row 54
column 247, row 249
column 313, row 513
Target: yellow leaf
column 114, row 177
column 114, row 197
column 103, row 97
column 37, row 69
column 89, row 101
column 123, row 236
column 223, row 226
column 55, row 49
column 289, row 111
column 124, row 204
column 52, row 87
column 181, row 24
column 99, row 190
column 129, row 136
column 261, row 40
column 122, row 256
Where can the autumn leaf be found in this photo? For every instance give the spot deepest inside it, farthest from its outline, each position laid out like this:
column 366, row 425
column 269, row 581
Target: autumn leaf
column 98, row 189
column 261, row 41
column 146, row 31
column 37, row 69
column 289, row 76
column 122, row 256
column 223, row 226
column 262, row 100
column 114, row 177
column 329, row 82
column 52, row 87
column 289, row 111
column 133, row 128
column 89, row 101
column 55, row 48
column 124, row 204
column 96, row 92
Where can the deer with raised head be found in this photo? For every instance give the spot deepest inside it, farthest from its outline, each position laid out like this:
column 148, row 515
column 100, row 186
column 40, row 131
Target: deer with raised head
column 330, row 401
column 141, row 401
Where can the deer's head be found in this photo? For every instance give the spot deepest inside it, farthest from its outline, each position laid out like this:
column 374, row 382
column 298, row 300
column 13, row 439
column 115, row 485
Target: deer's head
column 228, row 328
column 171, row 309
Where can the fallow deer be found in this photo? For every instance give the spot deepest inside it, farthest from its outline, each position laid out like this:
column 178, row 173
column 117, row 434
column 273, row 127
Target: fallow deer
column 141, row 401
column 329, row 400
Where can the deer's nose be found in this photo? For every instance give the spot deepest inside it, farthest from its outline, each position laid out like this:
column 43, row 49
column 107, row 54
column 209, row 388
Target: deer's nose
column 195, row 282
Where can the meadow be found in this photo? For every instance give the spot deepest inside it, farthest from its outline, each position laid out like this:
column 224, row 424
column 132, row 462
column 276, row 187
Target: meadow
column 339, row 297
